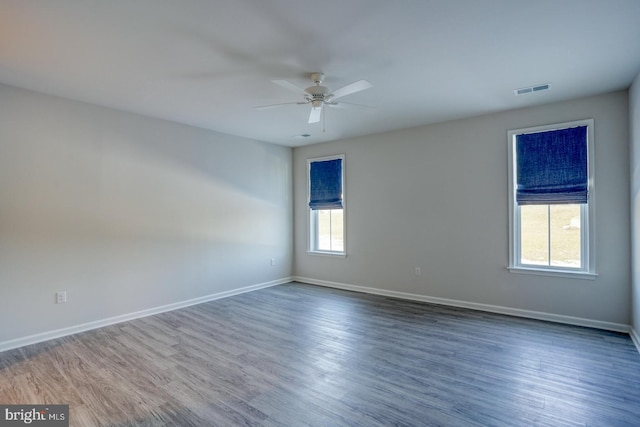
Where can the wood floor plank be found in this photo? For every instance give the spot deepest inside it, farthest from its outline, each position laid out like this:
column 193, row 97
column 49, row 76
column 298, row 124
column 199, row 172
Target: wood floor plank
column 302, row 355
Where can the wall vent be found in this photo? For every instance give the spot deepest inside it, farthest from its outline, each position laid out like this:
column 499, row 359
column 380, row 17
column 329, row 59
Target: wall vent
column 531, row 89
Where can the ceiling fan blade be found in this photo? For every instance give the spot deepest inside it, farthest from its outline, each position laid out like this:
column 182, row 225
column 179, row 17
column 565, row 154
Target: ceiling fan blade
column 314, row 116
column 351, row 88
column 288, row 85
column 266, row 107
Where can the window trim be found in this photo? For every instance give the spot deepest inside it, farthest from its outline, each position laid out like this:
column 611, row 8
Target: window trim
column 588, row 270
column 310, row 238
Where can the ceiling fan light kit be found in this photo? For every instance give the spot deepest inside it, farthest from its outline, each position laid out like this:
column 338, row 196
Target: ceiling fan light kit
column 319, row 96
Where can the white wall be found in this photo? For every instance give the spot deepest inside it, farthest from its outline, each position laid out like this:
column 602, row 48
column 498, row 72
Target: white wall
column 634, row 114
column 127, row 213
column 435, row 197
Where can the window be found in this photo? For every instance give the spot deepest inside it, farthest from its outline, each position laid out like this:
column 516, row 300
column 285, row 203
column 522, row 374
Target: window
column 326, row 205
column 551, row 199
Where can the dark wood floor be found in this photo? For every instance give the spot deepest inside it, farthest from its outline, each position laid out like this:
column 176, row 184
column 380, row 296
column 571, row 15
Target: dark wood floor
column 297, row 355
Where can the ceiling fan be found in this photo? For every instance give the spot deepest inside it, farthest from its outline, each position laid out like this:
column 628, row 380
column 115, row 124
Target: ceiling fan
column 318, row 96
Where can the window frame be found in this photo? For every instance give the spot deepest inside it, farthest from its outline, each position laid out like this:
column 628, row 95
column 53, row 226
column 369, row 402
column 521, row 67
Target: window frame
column 312, row 237
column 587, row 211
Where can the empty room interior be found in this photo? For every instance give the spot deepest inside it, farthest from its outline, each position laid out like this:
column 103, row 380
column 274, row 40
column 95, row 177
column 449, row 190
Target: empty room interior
column 290, row 213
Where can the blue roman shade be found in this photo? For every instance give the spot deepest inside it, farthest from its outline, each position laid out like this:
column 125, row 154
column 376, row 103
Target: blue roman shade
column 325, row 181
column 552, row 167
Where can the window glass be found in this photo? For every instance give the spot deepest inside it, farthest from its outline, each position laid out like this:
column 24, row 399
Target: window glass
column 551, row 235
column 330, row 230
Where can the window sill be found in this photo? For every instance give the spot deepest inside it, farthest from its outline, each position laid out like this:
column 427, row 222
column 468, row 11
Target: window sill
column 554, row 273
column 329, row 254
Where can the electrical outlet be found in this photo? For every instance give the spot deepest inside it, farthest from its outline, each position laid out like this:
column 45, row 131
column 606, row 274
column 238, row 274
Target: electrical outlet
column 273, row 262
column 61, row 297
column 418, row 272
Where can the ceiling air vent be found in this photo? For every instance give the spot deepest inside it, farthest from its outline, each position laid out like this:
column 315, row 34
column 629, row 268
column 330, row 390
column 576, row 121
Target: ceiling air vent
column 531, row 89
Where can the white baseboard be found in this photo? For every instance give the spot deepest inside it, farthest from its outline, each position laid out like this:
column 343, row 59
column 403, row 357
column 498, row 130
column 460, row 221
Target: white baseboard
column 538, row 315
column 635, row 338
column 58, row 333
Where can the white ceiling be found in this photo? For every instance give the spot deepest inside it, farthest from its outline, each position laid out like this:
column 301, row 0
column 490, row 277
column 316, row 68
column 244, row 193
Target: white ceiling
column 209, row 63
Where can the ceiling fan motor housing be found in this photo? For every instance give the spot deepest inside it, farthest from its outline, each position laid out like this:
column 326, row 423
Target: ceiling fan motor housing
column 318, row 92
